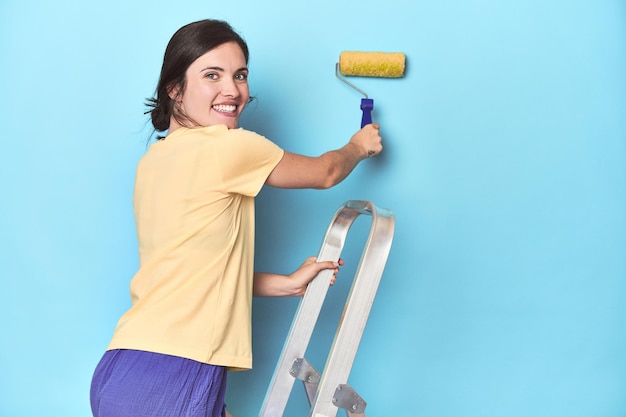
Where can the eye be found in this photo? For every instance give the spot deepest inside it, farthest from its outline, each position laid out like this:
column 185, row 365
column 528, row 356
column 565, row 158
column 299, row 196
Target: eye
column 242, row 76
column 212, row 75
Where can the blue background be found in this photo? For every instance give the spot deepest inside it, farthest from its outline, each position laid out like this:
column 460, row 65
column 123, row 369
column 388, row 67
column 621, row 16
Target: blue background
column 504, row 163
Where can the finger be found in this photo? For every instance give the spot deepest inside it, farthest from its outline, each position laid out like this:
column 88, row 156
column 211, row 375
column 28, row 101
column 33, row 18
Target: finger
column 320, row 266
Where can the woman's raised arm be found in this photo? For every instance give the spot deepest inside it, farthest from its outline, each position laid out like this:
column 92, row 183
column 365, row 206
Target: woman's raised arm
column 330, row 168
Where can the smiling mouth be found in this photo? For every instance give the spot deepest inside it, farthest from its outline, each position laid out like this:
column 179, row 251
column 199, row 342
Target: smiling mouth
column 225, row 108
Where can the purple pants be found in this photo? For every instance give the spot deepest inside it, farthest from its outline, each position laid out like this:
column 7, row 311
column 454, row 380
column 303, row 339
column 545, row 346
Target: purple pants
column 132, row 383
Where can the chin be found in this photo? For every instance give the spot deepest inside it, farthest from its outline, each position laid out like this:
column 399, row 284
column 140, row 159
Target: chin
column 233, row 124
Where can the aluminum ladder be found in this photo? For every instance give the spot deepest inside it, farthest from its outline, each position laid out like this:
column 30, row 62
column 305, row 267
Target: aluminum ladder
column 330, row 391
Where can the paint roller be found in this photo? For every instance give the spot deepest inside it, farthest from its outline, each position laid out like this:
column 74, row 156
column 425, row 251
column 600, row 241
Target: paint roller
column 369, row 64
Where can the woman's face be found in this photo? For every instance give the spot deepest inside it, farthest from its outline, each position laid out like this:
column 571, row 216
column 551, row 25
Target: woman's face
column 217, row 88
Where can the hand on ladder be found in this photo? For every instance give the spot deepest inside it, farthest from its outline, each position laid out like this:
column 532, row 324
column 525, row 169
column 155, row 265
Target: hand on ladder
column 296, row 283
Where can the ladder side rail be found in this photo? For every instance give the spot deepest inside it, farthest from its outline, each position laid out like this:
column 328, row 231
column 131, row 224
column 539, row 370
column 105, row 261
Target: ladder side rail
column 356, row 312
column 308, row 312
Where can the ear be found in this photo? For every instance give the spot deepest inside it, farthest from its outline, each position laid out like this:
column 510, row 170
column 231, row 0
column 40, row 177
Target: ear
column 173, row 91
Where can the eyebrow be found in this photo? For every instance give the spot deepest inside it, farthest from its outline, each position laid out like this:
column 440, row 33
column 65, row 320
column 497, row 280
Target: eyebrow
column 222, row 69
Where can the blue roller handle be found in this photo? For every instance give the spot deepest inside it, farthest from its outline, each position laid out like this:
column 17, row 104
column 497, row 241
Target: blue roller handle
column 367, row 104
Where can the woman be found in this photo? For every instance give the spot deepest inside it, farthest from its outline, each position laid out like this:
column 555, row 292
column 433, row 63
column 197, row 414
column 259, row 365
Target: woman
column 194, row 206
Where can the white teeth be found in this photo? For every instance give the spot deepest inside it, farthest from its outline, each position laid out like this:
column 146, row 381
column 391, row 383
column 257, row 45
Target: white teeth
column 225, row 108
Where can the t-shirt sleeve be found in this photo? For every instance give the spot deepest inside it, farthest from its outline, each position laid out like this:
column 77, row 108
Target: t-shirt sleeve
column 246, row 160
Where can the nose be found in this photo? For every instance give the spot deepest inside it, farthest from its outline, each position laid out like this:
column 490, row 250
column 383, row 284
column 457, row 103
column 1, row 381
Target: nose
column 230, row 88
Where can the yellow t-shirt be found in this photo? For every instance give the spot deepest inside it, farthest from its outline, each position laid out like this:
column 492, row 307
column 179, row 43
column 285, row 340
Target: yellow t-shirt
column 194, row 209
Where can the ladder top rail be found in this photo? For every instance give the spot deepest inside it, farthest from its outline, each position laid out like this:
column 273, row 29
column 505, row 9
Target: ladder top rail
column 344, row 218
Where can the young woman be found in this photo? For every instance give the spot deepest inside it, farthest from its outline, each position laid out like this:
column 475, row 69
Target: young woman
column 194, row 195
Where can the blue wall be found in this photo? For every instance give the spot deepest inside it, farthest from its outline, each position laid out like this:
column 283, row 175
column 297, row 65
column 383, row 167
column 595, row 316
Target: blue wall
column 505, row 165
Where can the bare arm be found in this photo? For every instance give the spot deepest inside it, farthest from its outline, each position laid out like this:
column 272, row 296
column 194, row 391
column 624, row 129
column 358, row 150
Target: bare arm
column 276, row 285
column 329, row 169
